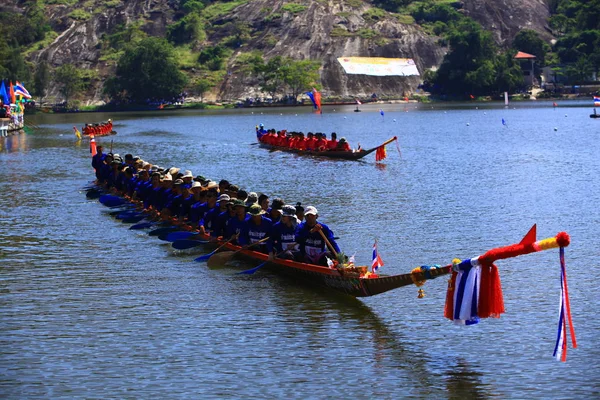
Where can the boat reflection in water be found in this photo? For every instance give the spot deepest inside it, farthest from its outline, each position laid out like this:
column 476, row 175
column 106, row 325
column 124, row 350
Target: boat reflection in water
column 15, row 141
column 390, row 358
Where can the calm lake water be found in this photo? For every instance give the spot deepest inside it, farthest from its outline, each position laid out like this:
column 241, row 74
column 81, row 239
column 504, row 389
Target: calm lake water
column 90, row 309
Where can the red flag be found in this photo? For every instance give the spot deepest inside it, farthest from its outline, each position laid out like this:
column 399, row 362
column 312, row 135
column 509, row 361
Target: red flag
column 317, row 97
column 471, row 96
column 13, row 99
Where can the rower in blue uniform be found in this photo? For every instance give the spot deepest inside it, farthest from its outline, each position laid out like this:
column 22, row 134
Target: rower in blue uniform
column 283, row 236
column 257, row 228
column 312, row 245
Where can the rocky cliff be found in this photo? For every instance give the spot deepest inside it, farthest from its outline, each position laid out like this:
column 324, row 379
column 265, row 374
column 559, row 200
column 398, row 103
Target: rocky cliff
column 319, row 29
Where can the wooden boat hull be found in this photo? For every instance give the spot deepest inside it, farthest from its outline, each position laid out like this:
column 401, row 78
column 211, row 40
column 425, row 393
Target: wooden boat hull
column 101, row 134
column 339, row 155
column 594, row 115
column 344, row 280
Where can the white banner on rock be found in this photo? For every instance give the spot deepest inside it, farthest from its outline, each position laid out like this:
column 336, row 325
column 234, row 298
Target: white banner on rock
column 379, row 66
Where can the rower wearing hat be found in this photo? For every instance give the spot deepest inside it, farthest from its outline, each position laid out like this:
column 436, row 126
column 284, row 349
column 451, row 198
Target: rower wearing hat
column 236, row 224
column 210, row 222
column 283, row 236
column 313, row 247
column 257, row 228
column 187, row 179
column 275, row 210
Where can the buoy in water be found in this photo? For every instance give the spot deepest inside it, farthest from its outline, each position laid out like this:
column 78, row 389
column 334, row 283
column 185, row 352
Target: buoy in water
column 468, row 124
column 394, row 119
column 555, row 129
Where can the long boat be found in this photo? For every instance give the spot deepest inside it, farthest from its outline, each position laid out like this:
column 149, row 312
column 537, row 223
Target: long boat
column 342, row 155
column 474, row 290
column 357, row 281
column 101, row 129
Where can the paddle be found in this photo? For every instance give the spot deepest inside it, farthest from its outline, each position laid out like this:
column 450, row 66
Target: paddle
column 184, row 244
column 328, row 243
column 253, row 270
column 173, row 236
column 224, row 256
column 143, row 225
column 133, row 219
column 207, row 256
column 160, row 231
column 109, row 200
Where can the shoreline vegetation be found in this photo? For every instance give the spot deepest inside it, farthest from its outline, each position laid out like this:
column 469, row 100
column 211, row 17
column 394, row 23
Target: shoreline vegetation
column 197, row 105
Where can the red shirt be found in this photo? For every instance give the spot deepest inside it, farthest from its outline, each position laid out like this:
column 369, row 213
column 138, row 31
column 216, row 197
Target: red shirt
column 332, row 144
column 301, row 144
column 321, row 144
column 310, row 143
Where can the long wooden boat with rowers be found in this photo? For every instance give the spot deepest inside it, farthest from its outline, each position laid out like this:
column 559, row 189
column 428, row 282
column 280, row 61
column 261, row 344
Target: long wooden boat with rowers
column 474, row 290
column 356, row 280
column 341, row 155
column 101, row 129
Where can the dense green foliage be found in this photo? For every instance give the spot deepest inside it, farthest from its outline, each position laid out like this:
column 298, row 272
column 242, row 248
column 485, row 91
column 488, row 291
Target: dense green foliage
column 577, row 23
column 284, row 75
column 69, row 80
column 147, row 70
column 41, row 80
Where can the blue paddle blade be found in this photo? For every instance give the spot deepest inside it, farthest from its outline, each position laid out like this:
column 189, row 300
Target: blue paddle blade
column 142, row 225
column 160, row 231
column 173, row 236
column 184, row 244
column 205, row 256
column 128, row 214
column 133, row 219
column 110, row 201
column 253, row 270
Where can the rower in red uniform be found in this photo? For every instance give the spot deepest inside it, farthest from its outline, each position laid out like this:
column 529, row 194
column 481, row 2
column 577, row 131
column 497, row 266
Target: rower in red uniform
column 321, row 143
column 343, row 145
column 301, row 142
column 293, row 140
column 332, row 143
column 310, row 141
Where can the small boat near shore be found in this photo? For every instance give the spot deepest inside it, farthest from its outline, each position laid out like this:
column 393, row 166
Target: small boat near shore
column 340, row 155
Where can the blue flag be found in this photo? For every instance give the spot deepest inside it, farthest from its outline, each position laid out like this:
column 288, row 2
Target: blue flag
column 312, row 98
column 3, row 94
column 503, row 122
column 381, row 112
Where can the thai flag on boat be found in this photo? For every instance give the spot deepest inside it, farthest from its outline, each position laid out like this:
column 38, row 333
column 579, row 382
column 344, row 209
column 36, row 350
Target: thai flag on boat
column 377, row 261
column 564, row 315
column 597, row 101
column 466, row 293
column 21, row 91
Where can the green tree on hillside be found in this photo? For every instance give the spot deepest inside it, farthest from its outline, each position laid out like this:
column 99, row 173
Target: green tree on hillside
column 69, row 80
column 147, row 70
column 41, row 80
column 300, row 75
column 469, row 65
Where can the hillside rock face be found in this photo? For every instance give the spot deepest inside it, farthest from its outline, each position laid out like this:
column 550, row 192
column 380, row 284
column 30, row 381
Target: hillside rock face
column 505, row 18
column 308, row 35
column 324, row 31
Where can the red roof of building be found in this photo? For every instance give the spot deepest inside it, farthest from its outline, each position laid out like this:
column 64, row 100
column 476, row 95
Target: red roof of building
column 524, row 56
